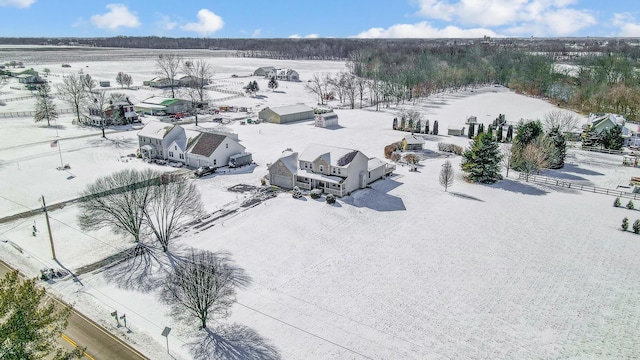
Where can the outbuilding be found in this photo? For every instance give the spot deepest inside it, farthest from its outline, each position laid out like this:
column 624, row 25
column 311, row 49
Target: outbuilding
column 286, row 114
column 327, row 120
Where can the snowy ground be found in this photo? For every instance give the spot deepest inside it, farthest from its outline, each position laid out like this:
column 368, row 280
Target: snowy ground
column 399, row 271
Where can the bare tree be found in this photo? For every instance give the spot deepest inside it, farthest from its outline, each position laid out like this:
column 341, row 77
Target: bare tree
column 97, row 107
column 88, row 83
column 446, row 175
column 566, row 121
column 124, row 79
column 171, row 205
column 506, row 156
column 200, row 73
column 72, row 92
column 204, row 284
column 533, row 158
column 45, row 108
column 117, row 201
column 167, row 66
column 318, row 84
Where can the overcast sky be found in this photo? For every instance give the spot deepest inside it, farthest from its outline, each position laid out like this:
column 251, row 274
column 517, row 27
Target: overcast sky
column 320, row 18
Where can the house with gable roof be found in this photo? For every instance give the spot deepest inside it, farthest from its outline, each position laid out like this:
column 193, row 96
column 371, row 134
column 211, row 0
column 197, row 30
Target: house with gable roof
column 155, row 137
column 212, row 149
column 333, row 170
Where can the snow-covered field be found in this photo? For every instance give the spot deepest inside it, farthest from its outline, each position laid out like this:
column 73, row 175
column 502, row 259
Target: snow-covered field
column 402, row 270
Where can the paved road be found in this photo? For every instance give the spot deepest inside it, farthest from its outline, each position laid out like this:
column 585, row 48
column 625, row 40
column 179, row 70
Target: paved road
column 83, row 332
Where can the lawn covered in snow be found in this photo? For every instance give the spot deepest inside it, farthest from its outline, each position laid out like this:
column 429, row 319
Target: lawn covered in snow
column 402, row 270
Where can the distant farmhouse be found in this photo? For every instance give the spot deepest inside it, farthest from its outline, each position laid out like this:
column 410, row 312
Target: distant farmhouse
column 158, row 105
column 263, row 71
column 278, row 74
column 331, row 169
column 115, row 113
column 158, row 140
column 286, row 114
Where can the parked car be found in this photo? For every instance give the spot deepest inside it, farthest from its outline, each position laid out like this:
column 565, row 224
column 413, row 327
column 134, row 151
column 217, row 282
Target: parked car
column 204, row 170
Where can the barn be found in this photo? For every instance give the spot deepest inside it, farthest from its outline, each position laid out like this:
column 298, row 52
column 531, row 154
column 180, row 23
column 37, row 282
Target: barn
column 286, row 114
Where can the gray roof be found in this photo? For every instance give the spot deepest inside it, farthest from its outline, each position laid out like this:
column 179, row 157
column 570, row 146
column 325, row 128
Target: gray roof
column 156, row 129
column 206, row 144
column 334, row 156
column 291, row 109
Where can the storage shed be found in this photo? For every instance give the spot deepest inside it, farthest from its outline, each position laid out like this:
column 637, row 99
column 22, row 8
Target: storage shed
column 286, row 114
column 327, row 120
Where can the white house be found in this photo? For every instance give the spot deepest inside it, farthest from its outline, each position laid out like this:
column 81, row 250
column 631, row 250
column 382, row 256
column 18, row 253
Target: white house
column 177, row 150
column 284, row 74
column 210, row 149
column 334, row 170
column 155, row 138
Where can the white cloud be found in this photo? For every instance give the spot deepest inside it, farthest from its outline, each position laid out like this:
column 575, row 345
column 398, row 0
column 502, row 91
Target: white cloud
column 208, row 23
column 17, row 3
column 627, row 24
column 164, row 22
column 425, row 30
column 256, row 33
column 298, row 36
column 521, row 17
column 118, row 16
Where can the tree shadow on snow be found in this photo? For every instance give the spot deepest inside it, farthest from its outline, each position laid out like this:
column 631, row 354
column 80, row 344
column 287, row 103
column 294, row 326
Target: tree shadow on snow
column 517, row 187
column 464, row 196
column 235, row 342
column 138, row 268
column 573, row 168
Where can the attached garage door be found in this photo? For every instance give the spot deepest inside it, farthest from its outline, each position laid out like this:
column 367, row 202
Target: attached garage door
column 282, row 181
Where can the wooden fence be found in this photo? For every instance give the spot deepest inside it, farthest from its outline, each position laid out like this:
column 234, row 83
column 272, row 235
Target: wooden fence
column 17, row 114
column 569, row 185
column 601, row 150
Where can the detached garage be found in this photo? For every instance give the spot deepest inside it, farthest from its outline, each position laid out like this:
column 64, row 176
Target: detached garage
column 286, row 114
column 283, row 172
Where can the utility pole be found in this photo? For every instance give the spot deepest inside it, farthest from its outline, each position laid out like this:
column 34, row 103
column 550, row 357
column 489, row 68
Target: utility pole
column 46, row 215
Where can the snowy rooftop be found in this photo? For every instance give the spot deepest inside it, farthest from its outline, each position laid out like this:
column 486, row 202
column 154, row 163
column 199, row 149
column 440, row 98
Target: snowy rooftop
column 334, row 156
column 156, row 129
column 290, row 109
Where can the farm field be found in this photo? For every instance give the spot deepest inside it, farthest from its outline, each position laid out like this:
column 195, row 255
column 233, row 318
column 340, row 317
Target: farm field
column 401, row 270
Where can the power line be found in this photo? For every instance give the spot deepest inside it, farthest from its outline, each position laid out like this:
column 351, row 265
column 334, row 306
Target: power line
column 183, row 342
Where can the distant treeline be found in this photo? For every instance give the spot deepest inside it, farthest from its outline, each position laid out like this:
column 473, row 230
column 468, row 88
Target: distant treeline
column 603, row 74
column 342, row 48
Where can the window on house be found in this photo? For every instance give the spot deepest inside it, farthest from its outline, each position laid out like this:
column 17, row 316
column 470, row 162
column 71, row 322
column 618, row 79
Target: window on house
column 227, row 145
column 338, row 171
column 321, row 168
column 369, row 174
column 171, row 153
column 181, row 156
column 333, row 170
column 215, row 161
column 176, row 147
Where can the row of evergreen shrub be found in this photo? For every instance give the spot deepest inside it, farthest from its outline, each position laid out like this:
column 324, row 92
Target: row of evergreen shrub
column 617, row 203
column 635, row 227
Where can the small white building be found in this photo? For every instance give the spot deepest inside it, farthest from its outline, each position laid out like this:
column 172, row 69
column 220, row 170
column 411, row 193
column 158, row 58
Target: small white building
column 327, row 120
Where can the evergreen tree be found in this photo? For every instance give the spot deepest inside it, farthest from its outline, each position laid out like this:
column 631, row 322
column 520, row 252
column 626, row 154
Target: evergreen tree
column 402, row 123
column 410, row 125
column 480, row 129
column 616, row 202
column 426, row 127
column 625, row 224
column 636, row 227
column 509, row 136
column 472, row 129
column 528, row 132
column 559, row 148
column 395, row 123
column 630, row 205
column 45, row 108
column 589, row 137
column 418, row 126
column 273, row 83
column 499, row 134
column 435, row 127
column 490, row 130
column 612, row 139
column 482, row 160
column 29, row 326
